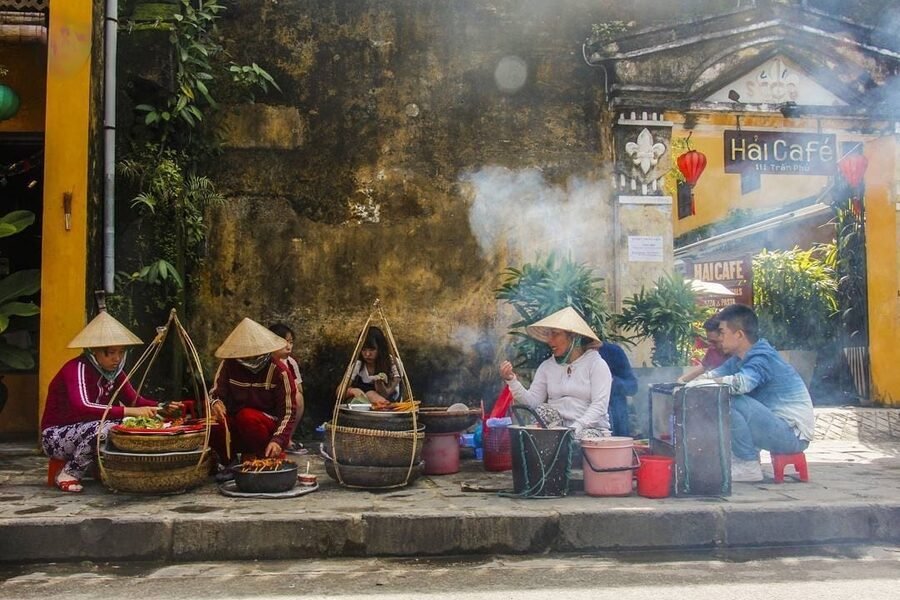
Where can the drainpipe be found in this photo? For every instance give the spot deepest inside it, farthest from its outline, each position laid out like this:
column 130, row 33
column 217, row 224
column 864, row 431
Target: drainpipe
column 109, row 145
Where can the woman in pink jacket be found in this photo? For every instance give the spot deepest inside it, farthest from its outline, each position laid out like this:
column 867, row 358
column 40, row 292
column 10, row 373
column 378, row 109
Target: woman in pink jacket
column 80, row 393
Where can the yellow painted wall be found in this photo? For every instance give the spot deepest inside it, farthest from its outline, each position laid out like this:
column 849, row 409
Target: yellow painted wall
column 27, row 66
column 65, row 170
column 882, row 256
column 718, row 192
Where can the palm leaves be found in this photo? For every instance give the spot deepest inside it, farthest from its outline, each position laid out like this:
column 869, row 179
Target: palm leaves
column 13, row 289
column 539, row 289
column 795, row 297
column 668, row 314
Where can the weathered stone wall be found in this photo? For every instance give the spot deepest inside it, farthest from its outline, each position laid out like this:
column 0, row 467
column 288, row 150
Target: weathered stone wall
column 418, row 148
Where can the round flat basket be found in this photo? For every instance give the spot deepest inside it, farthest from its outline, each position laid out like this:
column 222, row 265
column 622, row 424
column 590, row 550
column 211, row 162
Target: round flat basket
column 170, row 481
column 373, row 447
column 373, row 477
column 136, row 442
column 385, row 420
column 149, row 461
column 439, row 420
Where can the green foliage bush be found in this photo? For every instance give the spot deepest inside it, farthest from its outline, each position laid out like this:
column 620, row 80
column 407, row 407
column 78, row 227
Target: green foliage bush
column 669, row 315
column 795, row 297
column 539, row 289
column 15, row 290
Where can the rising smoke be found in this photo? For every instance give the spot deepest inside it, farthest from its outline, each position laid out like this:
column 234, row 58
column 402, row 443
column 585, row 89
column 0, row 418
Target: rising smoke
column 519, row 211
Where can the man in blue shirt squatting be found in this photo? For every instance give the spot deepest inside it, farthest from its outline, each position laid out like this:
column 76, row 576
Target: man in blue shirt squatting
column 770, row 405
column 624, row 383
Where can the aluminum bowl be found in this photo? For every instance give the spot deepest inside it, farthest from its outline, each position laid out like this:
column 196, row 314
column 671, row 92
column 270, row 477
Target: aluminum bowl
column 440, row 420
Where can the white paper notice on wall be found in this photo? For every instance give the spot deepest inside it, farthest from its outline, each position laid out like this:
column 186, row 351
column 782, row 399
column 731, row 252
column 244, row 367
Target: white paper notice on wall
column 645, row 248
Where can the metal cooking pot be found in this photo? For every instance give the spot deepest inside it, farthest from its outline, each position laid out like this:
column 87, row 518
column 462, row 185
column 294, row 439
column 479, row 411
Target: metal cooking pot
column 267, row 482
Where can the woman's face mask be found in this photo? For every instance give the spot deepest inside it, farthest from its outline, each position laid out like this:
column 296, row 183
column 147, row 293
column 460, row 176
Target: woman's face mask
column 254, row 364
column 109, row 360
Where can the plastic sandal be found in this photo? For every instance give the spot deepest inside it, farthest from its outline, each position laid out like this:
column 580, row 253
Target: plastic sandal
column 70, row 485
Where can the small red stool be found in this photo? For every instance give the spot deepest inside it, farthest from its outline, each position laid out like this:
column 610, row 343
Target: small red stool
column 53, row 468
column 780, row 461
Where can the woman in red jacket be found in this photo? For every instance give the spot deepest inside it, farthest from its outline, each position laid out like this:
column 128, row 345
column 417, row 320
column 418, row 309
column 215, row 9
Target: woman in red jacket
column 253, row 394
column 80, row 393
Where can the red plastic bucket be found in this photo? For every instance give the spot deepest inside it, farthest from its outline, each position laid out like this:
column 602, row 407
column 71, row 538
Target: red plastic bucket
column 654, row 476
column 441, row 453
column 497, row 453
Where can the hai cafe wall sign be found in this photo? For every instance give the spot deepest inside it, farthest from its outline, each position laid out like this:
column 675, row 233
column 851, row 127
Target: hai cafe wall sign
column 778, row 153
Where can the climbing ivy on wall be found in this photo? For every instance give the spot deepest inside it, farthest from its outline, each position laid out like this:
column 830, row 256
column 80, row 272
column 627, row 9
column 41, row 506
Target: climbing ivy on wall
column 164, row 194
column 164, row 153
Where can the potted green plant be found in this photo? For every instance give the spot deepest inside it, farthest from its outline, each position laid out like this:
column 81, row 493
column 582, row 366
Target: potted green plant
column 795, row 298
column 539, row 289
column 14, row 292
column 669, row 315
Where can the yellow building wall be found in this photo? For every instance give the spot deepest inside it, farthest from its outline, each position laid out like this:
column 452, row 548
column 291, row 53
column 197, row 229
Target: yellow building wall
column 882, row 175
column 27, row 76
column 717, row 192
column 66, row 170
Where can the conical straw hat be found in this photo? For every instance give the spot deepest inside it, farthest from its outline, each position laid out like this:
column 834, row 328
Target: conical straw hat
column 566, row 319
column 248, row 339
column 104, row 331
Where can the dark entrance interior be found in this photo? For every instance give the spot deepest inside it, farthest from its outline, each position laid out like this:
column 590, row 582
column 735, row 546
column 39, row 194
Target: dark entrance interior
column 21, row 188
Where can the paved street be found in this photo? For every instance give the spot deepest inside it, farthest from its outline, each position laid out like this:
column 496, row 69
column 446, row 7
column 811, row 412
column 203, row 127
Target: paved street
column 835, row 572
column 853, row 496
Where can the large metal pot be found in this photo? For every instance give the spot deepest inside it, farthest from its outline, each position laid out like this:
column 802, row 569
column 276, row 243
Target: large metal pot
column 267, row 482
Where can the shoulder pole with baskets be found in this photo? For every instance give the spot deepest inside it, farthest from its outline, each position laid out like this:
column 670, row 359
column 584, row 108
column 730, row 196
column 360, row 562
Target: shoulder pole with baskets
column 378, row 315
column 146, row 362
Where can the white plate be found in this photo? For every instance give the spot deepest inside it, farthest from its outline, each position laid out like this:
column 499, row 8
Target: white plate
column 230, row 488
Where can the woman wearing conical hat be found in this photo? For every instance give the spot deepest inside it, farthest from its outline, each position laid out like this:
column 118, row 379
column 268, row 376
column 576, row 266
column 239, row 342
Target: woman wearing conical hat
column 254, row 394
column 81, row 391
column 571, row 388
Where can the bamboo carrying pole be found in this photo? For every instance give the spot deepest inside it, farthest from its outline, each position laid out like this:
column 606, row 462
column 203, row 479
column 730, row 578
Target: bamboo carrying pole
column 378, row 313
column 150, row 354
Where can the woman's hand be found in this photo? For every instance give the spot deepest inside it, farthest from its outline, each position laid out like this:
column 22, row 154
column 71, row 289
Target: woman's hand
column 506, row 371
column 218, row 410
column 353, row 393
column 141, row 411
column 273, row 450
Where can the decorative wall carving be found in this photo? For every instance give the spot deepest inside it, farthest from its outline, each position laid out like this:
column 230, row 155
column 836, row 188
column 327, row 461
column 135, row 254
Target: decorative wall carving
column 642, row 153
column 777, row 81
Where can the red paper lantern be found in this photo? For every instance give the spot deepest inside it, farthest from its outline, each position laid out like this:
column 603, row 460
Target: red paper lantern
column 853, row 167
column 691, row 165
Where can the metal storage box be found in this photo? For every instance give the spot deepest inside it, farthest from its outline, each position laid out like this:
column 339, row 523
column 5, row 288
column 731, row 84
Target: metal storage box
column 693, row 425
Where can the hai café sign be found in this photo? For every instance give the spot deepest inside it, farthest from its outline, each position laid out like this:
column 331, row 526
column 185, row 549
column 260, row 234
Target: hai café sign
column 735, row 273
column 778, row 153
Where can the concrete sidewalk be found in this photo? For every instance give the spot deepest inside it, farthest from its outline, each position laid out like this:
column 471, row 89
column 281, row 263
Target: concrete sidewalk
column 853, row 496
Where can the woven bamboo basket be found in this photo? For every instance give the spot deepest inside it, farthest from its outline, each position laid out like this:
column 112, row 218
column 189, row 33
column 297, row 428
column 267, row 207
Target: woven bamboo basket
column 374, row 477
column 168, row 481
column 157, row 461
column 355, row 446
column 144, row 443
column 376, row 419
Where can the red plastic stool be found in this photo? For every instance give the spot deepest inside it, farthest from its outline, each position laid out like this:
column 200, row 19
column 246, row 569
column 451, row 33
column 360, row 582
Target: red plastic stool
column 780, row 461
column 54, row 466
